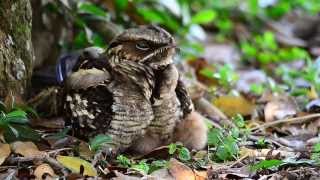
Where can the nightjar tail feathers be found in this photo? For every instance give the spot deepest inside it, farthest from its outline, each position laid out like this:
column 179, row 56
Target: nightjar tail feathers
column 192, row 131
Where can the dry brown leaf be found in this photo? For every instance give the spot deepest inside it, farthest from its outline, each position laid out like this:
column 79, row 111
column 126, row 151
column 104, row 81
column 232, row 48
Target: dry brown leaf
column 44, row 170
column 232, row 105
column 201, row 175
column 180, row 171
column 26, row 149
column 85, row 151
column 280, row 108
column 4, row 152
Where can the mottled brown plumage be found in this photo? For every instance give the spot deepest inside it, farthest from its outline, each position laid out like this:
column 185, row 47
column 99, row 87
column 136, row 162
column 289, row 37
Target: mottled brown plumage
column 132, row 92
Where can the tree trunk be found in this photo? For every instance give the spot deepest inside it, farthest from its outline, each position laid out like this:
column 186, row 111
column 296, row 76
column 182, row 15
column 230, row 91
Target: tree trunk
column 16, row 52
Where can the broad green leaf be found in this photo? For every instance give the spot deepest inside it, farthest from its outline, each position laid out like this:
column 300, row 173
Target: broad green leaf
column 75, row 164
column 203, row 17
column 266, row 164
column 97, row 142
column 184, row 154
column 17, row 116
column 89, row 8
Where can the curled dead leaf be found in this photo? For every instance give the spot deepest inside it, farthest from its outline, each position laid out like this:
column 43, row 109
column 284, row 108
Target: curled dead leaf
column 44, row 170
column 4, row 152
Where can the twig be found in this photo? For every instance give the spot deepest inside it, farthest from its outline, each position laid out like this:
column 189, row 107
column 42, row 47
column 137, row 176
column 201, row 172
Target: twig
column 296, row 120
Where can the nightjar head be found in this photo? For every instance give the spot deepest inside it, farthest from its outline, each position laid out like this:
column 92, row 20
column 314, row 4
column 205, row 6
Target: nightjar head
column 150, row 45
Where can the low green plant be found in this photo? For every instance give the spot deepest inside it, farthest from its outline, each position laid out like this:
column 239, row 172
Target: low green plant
column 265, row 49
column 98, row 141
column 182, row 152
column 143, row 166
column 225, row 75
column 14, row 123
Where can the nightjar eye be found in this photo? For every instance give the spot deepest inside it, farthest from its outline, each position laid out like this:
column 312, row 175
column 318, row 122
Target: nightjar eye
column 142, row 45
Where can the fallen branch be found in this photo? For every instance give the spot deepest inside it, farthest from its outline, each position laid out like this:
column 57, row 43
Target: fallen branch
column 296, row 120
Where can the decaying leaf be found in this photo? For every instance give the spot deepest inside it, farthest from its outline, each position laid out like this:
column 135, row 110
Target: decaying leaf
column 44, row 170
column 26, row 149
column 232, row 105
column 280, row 108
column 85, row 151
column 180, row 171
column 77, row 165
column 4, row 152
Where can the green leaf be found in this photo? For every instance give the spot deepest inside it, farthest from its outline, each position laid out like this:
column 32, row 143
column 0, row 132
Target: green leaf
column 124, row 161
column 17, row 116
column 214, row 137
column 16, row 132
column 3, row 106
column 121, row 5
column 172, row 148
column 142, row 167
column 204, row 17
column 151, row 15
column 97, row 142
column 266, row 164
column 257, row 89
column 89, row 8
column 158, row 164
column 316, row 147
column 238, row 120
column 184, row 154
column 80, row 41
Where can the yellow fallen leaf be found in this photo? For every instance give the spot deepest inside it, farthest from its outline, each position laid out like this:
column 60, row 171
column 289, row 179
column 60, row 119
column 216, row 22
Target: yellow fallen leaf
column 43, row 169
column 74, row 164
column 4, row 152
column 26, row 149
column 233, row 105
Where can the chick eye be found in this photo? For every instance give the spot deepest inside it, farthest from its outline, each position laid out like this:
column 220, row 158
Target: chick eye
column 142, row 46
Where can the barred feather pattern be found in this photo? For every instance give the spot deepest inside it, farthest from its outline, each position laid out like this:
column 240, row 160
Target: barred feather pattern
column 167, row 114
column 166, row 107
column 119, row 106
column 132, row 114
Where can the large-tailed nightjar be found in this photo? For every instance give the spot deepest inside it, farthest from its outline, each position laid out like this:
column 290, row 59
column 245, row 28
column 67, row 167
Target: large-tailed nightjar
column 132, row 92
